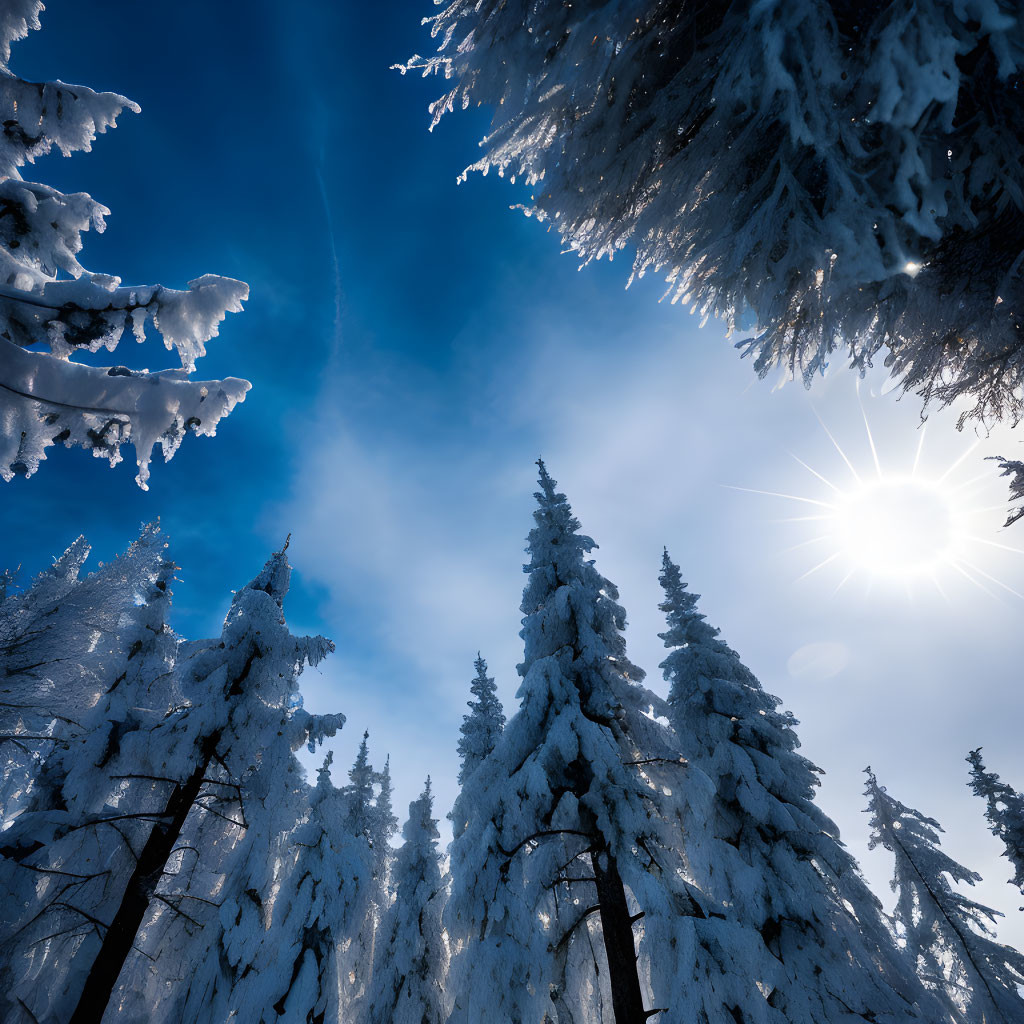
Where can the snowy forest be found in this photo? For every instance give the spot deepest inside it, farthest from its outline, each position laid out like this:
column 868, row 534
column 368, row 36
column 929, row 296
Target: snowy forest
column 181, row 841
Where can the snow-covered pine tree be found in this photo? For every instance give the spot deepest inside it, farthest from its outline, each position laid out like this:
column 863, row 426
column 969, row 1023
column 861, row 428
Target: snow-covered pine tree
column 842, row 176
column 383, row 826
column 63, row 642
column 411, row 959
column 370, row 830
column 949, row 937
column 291, row 965
column 757, row 845
column 1005, row 812
column 233, row 791
column 481, row 728
column 478, row 733
column 565, row 827
column 71, row 842
column 52, row 308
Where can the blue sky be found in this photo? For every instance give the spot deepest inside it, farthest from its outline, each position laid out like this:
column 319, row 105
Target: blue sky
column 413, row 346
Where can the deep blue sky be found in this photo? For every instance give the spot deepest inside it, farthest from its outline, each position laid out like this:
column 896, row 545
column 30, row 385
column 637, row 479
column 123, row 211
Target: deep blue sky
column 396, row 441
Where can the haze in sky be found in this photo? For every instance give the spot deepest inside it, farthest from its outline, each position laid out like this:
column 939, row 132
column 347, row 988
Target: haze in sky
column 414, row 345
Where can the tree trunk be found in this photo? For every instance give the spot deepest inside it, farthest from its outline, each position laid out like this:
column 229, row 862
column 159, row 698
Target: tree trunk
column 117, row 943
column 620, row 949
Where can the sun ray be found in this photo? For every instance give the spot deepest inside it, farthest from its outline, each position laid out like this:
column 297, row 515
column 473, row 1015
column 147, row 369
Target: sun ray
column 806, row 543
column 917, row 454
column 963, row 572
column 992, row 579
column 835, row 444
column 842, row 583
column 814, row 472
column 871, row 439
column 820, row 565
column 996, row 544
column 777, row 494
column 956, row 462
column 801, row 519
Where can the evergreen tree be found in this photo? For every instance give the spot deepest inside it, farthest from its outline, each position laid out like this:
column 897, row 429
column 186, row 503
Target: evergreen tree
column 566, row 848
column 833, row 175
column 1005, row 812
column 231, row 793
column 292, row 963
column 946, row 934
column 478, row 733
column 369, row 824
column 52, row 308
column 756, row 843
column 74, row 833
column 482, row 726
column 411, row 958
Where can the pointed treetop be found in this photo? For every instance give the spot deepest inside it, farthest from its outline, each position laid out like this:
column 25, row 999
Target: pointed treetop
column 274, row 578
column 1004, row 811
column 483, row 725
column 324, row 771
column 421, row 822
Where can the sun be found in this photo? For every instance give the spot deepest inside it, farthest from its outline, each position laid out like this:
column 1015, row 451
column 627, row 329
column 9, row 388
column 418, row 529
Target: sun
column 900, row 525
column 897, row 526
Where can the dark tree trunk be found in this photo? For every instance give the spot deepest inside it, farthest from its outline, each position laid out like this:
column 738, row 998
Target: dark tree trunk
column 620, row 949
column 117, row 942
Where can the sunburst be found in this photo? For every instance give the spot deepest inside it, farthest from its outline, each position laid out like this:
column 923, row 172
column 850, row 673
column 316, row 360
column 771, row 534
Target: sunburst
column 898, row 523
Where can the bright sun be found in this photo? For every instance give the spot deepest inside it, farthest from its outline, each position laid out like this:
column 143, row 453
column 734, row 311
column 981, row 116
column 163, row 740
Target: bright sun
column 903, row 525
column 896, row 526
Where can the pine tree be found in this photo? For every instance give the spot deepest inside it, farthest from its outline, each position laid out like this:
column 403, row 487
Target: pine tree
column 1005, row 812
column 478, row 733
column 834, row 175
column 758, row 846
column 292, row 963
column 946, row 934
column 72, row 838
column 566, row 848
column 369, row 825
column 482, row 726
column 230, row 793
column 383, row 825
column 411, row 958
column 52, row 308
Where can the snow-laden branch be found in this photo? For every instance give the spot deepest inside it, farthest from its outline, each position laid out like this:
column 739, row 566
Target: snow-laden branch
column 53, row 306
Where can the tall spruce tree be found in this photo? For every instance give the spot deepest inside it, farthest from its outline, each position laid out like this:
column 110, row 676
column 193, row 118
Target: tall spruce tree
column 74, row 833
column 567, row 847
column 1004, row 808
column 411, row 958
column 228, row 794
column 478, row 734
column 292, row 962
column 947, row 935
column 481, row 728
column 369, row 823
column 758, row 846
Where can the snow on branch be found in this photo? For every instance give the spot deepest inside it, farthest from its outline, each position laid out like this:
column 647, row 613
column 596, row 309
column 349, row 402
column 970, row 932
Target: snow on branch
column 841, row 180
column 53, row 310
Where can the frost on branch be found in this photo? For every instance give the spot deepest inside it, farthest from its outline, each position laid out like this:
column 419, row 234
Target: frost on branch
column 844, row 176
column 53, row 310
column 950, row 938
column 1005, row 813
